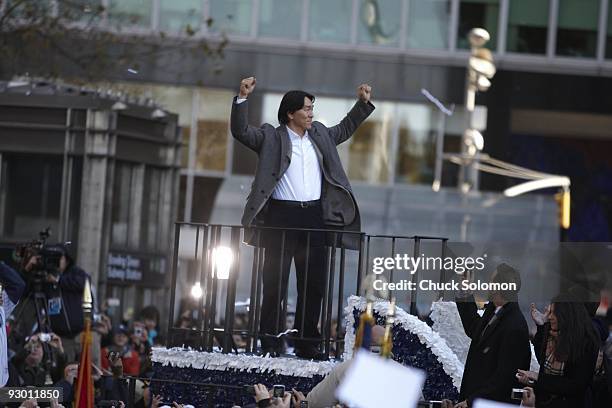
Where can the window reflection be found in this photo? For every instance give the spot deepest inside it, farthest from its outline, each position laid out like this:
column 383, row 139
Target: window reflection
column 231, row 16
column 151, row 209
column 33, row 192
column 379, row 22
column 213, row 128
column 577, row 28
column 369, row 148
column 130, row 13
column 330, row 21
column 477, row 13
column 182, row 16
column 417, row 143
column 175, row 99
column 280, row 18
column 120, row 213
column 427, row 25
column 528, row 26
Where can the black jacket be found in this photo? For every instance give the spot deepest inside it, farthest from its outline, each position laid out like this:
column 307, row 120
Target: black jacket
column 493, row 358
column 69, row 321
column 568, row 390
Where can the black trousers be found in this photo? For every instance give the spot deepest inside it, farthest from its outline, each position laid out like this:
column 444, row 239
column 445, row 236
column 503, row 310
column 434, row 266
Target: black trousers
column 277, row 265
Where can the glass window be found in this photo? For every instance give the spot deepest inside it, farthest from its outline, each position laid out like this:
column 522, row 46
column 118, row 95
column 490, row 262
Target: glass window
column 121, row 205
column 85, row 10
column 330, row 21
column 151, row 213
column 369, row 148
column 231, row 16
column 609, row 34
column 527, row 26
column 577, row 28
column 130, row 13
column 180, row 16
column 213, row 129
column 280, row 18
column 416, row 152
column 428, row 22
column 31, row 194
column 175, row 99
column 379, row 22
column 477, row 13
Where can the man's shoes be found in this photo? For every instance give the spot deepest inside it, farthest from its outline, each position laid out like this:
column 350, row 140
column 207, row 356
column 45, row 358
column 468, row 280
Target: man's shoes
column 311, row 353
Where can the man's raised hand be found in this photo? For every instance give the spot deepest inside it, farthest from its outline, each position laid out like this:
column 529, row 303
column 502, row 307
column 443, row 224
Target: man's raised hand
column 247, row 85
column 364, row 92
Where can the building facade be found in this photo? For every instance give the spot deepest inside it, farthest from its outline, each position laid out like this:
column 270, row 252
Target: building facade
column 547, row 109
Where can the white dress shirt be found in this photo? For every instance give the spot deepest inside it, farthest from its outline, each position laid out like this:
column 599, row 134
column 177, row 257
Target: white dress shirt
column 302, row 180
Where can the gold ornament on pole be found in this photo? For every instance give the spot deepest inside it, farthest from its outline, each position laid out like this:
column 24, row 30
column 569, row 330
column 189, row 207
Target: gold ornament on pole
column 387, row 344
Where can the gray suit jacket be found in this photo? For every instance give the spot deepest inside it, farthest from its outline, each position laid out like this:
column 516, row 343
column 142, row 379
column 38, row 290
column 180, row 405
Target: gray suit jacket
column 273, row 148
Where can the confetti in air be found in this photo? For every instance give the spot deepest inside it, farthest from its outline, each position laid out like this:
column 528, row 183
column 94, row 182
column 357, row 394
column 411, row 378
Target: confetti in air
column 436, row 102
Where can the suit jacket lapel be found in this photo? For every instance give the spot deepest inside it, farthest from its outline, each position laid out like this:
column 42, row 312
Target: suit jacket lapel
column 314, row 138
column 491, row 325
column 285, row 148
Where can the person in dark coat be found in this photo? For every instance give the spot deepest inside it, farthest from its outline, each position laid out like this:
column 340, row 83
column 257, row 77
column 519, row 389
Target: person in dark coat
column 299, row 183
column 64, row 293
column 500, row 342
column 567, row 347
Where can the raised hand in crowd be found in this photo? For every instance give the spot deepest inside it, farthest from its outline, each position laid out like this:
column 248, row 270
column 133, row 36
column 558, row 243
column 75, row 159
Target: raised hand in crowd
column 247, row 86
column 538, row 317
column 297, row 397
column 156, row 401
column 529, row 399
column 55, row 403
column 56, row 343
column 284, row 402
column 261, row 392
column 31, row 403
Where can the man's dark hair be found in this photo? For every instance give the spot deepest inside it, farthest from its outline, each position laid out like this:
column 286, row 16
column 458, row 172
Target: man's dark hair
column 504, row 273
column 292, row 101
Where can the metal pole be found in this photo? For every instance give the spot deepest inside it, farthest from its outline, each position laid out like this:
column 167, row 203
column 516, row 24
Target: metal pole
column 304, row 287
column 329, row 295
column 340, row 300
column 230, row 300
column 281, row 279
column 177, row 233
column 252, row 304
column 360, row 263
column 415, row 278
column 131, row 392
column 258, row 294
column 204, row 279
column 442, row 270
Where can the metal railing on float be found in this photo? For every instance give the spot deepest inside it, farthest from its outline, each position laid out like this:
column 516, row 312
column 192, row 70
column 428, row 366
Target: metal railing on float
column 219, row 253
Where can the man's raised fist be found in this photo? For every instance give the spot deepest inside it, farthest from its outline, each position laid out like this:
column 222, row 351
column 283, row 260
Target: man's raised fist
column 247, row 85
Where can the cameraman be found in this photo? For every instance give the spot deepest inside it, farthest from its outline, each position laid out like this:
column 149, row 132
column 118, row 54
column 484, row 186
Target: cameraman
column 12, row 290
column 64, row 293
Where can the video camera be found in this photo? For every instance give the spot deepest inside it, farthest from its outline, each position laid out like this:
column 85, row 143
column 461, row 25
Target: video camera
column 48, row 256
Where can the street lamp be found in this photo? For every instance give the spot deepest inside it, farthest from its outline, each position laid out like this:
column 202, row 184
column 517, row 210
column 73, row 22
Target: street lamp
column 479, row 72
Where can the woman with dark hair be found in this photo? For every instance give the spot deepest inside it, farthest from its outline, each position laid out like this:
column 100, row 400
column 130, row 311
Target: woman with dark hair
column 566, row 346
